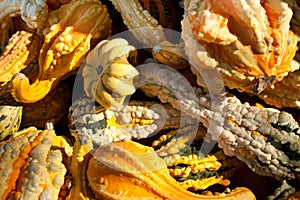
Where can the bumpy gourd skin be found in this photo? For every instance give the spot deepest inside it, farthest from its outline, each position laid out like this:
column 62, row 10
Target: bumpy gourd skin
column 164, row 11
column 266, row 139
column 147, row 30
column 21, row 50
column 181, row 151
column 131, row 176
column 249, row 43
column 67, row 40
column 32, row 164
column 91, row 122
column 94, row 127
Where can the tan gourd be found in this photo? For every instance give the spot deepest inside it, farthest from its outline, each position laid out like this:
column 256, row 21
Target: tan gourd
column 108, row 76
column 248, row 42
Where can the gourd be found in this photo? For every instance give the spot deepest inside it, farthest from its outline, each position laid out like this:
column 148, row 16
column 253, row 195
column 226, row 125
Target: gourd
column 90, row 122
column 106, row 156
column 130, row 175
column 52, row 107
column 108, row 76
column 10, row 120
column 95, row 129
column 149, row 32
column 22, row 48
column 32, row 165
column 34, row 13
column 19, row 53
column 249, row 44
column 266, row 139
column 163, row 11
column 38, row 164
column 181, row 151
column 79, row 189
column 66, row 41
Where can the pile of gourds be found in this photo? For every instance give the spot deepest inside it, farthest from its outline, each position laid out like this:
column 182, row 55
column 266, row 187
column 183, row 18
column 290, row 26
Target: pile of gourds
column 69, row 131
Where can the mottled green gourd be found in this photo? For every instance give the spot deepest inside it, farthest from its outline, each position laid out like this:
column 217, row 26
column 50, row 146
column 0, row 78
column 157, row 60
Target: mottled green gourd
column 10, row 120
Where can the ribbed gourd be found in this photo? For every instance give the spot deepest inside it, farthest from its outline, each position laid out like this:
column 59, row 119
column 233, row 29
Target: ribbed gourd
column 108, row 75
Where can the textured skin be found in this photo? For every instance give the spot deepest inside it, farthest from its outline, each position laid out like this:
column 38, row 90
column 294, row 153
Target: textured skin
column 147, row 30
column 137, row 178
column 67, row 40
column 28, row 157
column 102, row 127
column 266, row 139
column 249, row 60
column 195, row 173
column 20, row 52
column 34, row 13
column 181, row 151
column 285, row 93
column 163, row 11
column 22, row 48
